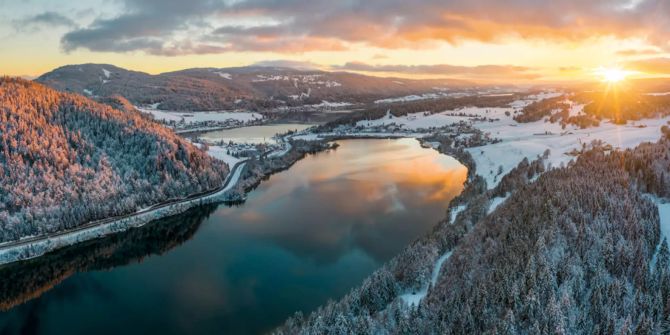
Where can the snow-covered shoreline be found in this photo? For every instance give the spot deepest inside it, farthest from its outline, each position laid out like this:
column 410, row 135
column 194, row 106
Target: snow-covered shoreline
column 15, row 251
column 516, row 140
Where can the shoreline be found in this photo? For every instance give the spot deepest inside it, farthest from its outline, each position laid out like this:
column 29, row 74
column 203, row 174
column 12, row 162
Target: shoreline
column 36, row 246
column 243, row 177
column 235, row 187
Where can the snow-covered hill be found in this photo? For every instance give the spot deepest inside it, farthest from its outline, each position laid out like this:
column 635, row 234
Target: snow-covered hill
column 230, row 88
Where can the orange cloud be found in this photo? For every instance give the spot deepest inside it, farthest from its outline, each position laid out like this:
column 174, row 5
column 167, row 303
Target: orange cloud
column 296, row 26
column 652, row 66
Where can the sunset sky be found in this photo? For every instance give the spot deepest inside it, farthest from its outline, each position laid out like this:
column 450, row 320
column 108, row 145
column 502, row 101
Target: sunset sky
column 524, row 40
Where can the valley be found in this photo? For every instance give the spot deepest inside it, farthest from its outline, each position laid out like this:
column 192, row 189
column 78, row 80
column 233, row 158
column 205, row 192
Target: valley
column 407, row 183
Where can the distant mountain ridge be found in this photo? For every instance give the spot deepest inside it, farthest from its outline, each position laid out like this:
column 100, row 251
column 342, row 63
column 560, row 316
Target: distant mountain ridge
column 250, row 87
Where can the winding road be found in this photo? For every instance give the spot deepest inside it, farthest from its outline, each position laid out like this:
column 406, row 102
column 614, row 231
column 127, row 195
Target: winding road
column 234, row 175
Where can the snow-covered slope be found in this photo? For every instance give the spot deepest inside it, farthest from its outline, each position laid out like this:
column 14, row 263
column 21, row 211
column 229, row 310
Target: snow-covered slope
column 526, row 140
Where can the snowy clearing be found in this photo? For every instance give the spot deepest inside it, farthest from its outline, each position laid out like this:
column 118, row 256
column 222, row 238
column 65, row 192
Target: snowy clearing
column 195, row 117
column 325, row 103
column 495, row 202
column 424, row 96
column 413, row 299
column 526, row 140
column 416, row 121
column 530, row 140
column 664, row 214
column 518, row 140
column 224, row 75
column 455, row 211
column 221, row 154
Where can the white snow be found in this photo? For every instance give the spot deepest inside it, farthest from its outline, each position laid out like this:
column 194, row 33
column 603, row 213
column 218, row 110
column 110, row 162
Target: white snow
column 534, row 98
column 233, row 180
column 576, row 109
column 310, row 79
column 279, row 153
column 192, row 117
column 106, row 73
column 455, row 211
column 413, row 299
column 526, row 140
column 664, row 216
column 143, row 216
column 418, row 120
column 530, row 140
column 438, row 267
column 220, row 153
column 325, row 103
column 224, row 75
column 408, row 98
column 312, row 137
column 88, row 92
column 496, row 202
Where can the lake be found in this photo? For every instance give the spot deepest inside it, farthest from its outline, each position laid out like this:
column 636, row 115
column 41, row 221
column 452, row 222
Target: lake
column 253, row 134
column 304, row 236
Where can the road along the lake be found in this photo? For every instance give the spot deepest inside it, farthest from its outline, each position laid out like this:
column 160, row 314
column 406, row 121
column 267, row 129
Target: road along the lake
column 35, row 246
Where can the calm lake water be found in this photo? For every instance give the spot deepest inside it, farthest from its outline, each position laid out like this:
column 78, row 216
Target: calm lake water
column 254, row 134
column 306, row 235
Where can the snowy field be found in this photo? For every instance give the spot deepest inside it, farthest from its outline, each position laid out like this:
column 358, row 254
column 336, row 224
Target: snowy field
column 530, row 140
column 221, row 154
column 196, row 117
column 522, row 140
column 328, row 104
column 425, row 96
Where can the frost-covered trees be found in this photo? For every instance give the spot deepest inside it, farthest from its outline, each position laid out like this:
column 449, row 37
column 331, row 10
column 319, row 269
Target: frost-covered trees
column 66, row 160
column 577, row 251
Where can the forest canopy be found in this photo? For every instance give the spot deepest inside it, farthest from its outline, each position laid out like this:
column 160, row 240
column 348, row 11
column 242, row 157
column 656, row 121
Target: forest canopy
column 66, row 160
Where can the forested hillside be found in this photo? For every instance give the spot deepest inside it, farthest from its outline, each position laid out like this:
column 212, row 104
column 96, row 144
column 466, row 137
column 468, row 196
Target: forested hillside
column 251, row 87
column 66, row 160
column 578, row 251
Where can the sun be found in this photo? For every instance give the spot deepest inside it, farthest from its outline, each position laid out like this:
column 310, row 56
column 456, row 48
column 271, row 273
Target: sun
column 612, row 75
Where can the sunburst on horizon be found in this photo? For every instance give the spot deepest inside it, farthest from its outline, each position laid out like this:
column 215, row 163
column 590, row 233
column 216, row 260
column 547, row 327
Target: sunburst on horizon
column 612, row 75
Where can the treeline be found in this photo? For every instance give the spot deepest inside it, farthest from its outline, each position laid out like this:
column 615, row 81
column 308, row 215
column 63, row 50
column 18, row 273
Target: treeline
column 377, row 111
column 66, row 160
column 578, row 251
column 616, row 105
column 538, row 110
column 623, row 106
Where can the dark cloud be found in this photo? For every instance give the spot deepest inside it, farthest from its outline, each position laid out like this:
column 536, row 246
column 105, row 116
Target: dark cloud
column 43, row 20
column 481, row 71
column 306, row 25
column 147, row 25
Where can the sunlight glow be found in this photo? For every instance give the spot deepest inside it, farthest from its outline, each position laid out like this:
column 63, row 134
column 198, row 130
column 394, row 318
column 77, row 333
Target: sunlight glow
column 612, row 75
